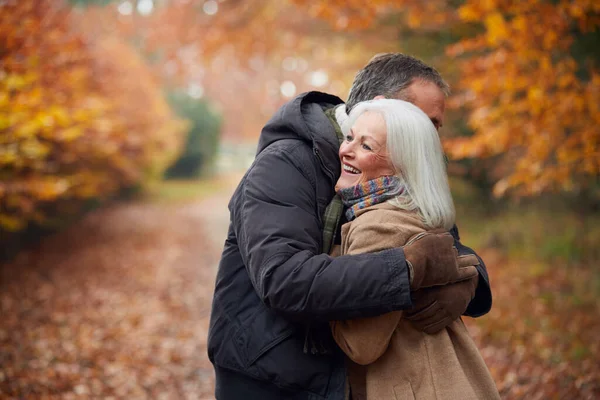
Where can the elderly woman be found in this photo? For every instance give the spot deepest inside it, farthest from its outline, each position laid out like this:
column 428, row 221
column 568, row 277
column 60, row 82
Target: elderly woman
column 394, row 187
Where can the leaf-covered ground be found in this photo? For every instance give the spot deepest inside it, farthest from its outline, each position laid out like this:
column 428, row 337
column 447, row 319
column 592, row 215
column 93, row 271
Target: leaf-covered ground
column 540, row 340
column 117, row 307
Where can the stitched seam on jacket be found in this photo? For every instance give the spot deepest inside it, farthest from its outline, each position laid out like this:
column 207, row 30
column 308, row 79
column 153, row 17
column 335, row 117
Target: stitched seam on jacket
column 275, row 148
column 265, row 269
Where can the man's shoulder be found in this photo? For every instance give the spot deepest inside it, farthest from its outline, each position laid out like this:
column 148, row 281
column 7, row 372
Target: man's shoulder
column 284, row 148
column 281, row 158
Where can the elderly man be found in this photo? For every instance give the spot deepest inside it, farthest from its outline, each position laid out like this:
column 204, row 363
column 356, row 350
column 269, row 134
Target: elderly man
column 277, row 287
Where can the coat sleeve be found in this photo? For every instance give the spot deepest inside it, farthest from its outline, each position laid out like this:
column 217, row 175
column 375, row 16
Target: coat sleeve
column 482, row 302
column 279, row 236
column 364, row 340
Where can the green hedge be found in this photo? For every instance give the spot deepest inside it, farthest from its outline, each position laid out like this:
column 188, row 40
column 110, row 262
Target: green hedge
column 202, row 140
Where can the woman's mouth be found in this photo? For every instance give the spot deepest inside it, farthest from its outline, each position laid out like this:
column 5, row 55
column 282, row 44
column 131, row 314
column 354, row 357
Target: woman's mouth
column 350, row 169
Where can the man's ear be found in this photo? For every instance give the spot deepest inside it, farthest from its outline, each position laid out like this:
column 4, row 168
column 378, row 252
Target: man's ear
column 378, row 97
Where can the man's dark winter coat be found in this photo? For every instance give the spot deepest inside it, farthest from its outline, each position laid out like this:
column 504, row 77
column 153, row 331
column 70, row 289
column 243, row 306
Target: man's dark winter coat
column 269, row 337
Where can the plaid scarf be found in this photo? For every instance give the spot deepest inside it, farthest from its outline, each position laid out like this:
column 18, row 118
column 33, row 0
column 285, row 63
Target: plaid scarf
column 369, row 193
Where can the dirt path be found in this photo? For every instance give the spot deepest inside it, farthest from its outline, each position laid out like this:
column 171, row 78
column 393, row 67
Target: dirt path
column 116, row 306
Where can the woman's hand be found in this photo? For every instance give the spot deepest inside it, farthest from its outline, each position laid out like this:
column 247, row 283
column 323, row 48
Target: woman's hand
column 437, row 307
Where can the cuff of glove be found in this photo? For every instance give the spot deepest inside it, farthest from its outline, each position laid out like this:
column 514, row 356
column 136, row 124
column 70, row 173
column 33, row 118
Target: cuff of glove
column 411, row 272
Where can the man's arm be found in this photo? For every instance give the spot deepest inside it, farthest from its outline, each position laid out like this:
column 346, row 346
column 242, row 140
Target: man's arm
column 279, row 234
column 482, row 302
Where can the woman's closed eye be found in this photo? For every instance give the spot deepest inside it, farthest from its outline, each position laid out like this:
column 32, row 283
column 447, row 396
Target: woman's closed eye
column 350, row 137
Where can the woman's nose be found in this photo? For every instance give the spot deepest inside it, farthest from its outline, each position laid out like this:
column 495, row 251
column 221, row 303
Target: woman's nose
column 346, row 149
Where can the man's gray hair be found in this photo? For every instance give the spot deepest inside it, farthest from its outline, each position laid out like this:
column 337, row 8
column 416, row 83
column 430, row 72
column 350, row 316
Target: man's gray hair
column 388, row 75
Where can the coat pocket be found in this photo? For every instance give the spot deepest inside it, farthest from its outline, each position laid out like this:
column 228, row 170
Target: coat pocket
column 404, row 391
column 271, row 349
column 263, row 331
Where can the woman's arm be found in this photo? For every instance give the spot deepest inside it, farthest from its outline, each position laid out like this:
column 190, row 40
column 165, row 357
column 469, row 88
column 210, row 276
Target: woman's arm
column 364, row 340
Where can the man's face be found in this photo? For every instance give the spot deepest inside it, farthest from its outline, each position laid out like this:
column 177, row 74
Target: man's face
column 429, row 98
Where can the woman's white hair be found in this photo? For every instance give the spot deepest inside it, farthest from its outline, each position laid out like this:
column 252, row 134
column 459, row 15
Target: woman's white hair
column 416, row 154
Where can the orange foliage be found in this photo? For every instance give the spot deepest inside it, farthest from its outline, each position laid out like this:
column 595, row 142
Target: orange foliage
column 357, row 14
column 241, row 55
column 525, row 98
column 79, row 118
column 528, row 102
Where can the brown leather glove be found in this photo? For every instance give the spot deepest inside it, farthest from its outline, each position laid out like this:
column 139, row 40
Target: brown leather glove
column 437, row 307
column 432, row 259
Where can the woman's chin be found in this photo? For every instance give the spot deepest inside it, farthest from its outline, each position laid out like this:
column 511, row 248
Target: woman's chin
column 346, row 183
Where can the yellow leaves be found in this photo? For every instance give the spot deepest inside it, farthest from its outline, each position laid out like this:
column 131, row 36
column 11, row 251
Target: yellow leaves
column 8, row 155
column 33, row 149
column 469, row 12
column 496, row 28
column 13, row 82
column 4, row 100
column 4, row 122
column 16, row 81
column 59, row 115
column 11, row 222
column 519, row 24
column 69, row 133
column 48, row 189
column 27, row 129
column 526, row 100
column 550, row 39
column 535, row 97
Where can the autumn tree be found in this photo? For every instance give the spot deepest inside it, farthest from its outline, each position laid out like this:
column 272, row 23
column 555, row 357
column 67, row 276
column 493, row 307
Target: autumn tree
column 80, row 118
column 531, row 100
column 202, row 141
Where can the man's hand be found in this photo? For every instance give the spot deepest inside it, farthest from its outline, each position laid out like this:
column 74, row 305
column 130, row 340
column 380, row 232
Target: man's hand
column 432, row 259
column 437, row 307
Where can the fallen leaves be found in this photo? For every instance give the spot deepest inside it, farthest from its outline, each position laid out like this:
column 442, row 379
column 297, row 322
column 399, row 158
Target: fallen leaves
column 116, row 306
column 540, row 339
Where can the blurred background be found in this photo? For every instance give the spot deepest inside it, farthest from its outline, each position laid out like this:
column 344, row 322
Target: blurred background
column 126, row 124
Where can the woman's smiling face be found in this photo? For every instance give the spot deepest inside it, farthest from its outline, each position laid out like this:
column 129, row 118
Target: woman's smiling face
column 363, row 152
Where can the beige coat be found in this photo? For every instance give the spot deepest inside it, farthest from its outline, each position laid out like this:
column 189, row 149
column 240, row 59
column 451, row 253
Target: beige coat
column 390, row 358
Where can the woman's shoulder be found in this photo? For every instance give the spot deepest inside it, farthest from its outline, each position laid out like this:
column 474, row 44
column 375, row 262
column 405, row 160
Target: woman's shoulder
column 387, row 212
column 380, row 227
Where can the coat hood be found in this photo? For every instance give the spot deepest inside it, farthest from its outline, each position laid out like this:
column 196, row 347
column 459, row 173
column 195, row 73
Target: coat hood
column 303, row 118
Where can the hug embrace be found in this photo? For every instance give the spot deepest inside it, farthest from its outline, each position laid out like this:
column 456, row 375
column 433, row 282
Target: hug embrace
column 342, row 275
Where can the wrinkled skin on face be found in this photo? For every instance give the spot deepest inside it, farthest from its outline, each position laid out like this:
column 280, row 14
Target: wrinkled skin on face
column 363, row 153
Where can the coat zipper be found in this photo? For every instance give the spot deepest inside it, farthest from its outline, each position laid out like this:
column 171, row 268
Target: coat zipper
column 327, row 170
